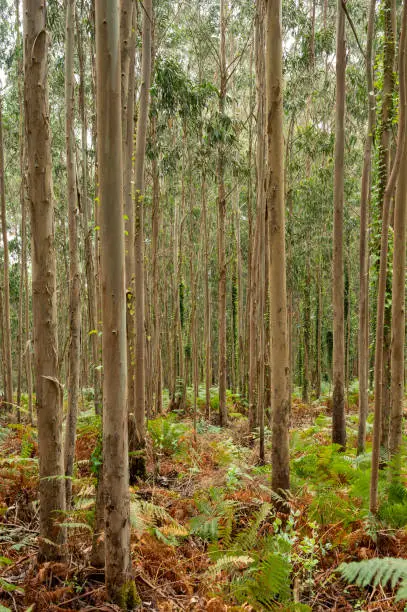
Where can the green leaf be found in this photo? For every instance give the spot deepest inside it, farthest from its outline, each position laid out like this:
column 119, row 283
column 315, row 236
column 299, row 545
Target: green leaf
column 5, row 561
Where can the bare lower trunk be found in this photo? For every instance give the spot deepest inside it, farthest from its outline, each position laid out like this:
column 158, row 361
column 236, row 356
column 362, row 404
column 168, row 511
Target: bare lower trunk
column 128, row 53
column 8, row 395
column 223, row 415
column 364, row 241
column 115, row 434
column 398, row 306
column 279, row 359
column 74, row 272
column 23, row 260
column 48, row 388
column 338, row 403
column 93, row 325
column 137, row 442
column 207, row 298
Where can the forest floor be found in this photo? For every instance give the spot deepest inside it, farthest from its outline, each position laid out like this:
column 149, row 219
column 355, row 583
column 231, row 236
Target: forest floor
column 204, row 533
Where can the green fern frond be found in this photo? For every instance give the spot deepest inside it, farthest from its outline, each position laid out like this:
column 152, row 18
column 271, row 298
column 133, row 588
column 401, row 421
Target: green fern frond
column 246, row 540
column 229, row 562
column 377, row 571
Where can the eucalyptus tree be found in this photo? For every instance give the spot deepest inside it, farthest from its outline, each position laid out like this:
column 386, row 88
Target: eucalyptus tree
column 338, row 408
column 115, row 430
column 6, row 278
column 385, row 151
column 39, row 184
column 363, row 348
column 381, row 292
column 223, row 78
column 280, row 370
column 138, row 441
column 74, row 267
column 398, row 305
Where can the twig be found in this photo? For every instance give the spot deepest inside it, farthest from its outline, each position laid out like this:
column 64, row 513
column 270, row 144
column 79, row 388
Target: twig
column 345, row 9
column 81, row 596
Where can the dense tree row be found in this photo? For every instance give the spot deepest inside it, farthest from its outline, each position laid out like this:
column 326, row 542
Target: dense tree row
column 215, row 194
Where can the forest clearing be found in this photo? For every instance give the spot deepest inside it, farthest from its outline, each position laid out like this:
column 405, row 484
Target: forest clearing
column 203, row 210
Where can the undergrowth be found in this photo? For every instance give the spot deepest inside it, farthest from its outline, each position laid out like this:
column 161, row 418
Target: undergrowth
column 212, row 528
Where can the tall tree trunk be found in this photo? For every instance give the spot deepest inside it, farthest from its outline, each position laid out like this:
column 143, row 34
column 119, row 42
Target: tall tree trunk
column 137, row 443
column 279, row 359
column 28, row 359
column 398, row 305
column 115, row 436
column 23, row 260
column 207, row 297
column 6, row 325
column 385, row 155
column 48, row 387
column 223, row 416
column 364, row 239
column 128, row 52
column 74, row 271
column 338, row 406
column 156, row 318
column 307, row 335
column 381, row 293
column 398, row 296
column 88, row 231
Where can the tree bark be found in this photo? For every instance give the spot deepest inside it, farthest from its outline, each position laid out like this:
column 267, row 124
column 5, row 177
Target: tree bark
column 398, row 298
column 128, row 52
column 223, row 416
column 8, row 396
column 364, row 239
column 48, row 388
column 398, row 305
column 23, row 260
column 381, row 294
column 279, row 358
column 137, row 443
column 74, row 270
column 93, row 325
column 338, row 404
column 115, row 434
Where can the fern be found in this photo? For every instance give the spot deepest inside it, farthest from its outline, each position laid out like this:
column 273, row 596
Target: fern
column 228, row 562
column 145, row 516
column 246, row 540
column 388, row 570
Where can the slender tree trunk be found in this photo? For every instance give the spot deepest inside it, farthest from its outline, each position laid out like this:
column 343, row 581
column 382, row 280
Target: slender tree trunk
column 93, row 320
column 279, row 358
column 307, row 335
column 385, row 155
column 23, row 260
column 260, row 212
column 398, row 306
column 223, row 416
column 364, row 239
column 28, row 360
column 7, row 325
column 137, row 444
column 3, row 350
column 115, row 435
column 48, row 387
column 381, row 294
column 74, row 271
column 128, row 52
column 338, row 407
column 156, row 319
column 207, row 298
column 262, row 290
column 398, row 299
